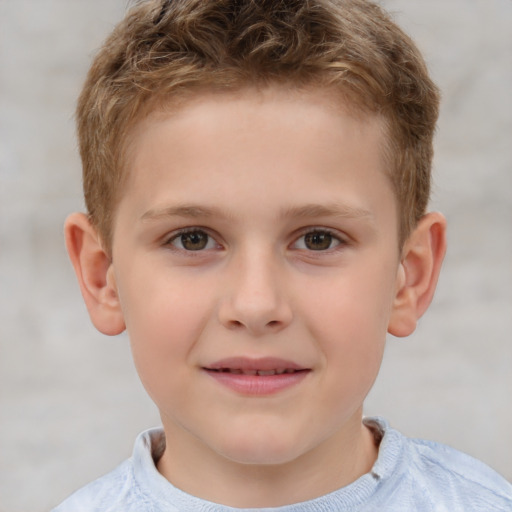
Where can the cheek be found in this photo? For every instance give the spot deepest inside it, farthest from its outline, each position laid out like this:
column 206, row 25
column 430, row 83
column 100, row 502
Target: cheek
column 164, row 318
column 354, row 305
column 352, row 349
column 162, row 304
column 352, row 345
column 348, row 318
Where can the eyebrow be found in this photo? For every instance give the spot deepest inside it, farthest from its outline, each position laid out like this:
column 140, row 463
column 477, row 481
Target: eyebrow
column 305, row 211
column 182, row 211
column 327, row 210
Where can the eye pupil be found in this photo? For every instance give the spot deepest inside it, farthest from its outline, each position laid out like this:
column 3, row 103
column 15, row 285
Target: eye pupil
column 194, row 241
column 318, row 241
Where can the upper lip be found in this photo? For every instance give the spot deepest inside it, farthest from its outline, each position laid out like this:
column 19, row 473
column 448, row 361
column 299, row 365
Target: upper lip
column 246, row 364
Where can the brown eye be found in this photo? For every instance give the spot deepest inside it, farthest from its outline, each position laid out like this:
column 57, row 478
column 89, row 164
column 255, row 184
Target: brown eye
column 193, row 241
column 317, row 241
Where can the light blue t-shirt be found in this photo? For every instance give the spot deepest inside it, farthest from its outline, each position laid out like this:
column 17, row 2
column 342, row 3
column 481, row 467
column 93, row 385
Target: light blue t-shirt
column 409, row 475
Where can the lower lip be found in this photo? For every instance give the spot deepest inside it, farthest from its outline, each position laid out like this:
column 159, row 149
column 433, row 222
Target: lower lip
column 258, row 385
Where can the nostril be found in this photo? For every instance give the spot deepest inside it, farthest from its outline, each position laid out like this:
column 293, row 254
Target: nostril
column 236, row 324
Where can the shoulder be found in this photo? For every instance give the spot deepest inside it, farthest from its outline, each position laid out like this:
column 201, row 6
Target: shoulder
column 121, row 489
column 448, row 475
column 105, row 493
column 459, row 464
column 417, row 475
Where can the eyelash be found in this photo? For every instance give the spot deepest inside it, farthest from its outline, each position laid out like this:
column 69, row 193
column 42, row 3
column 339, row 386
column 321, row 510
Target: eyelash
column 194, row 230
column 334, row 237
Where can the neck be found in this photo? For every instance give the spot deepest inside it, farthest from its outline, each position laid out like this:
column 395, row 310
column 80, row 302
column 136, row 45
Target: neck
column 335, row 463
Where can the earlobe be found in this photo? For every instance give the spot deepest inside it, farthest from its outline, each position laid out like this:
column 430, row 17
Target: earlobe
column 95, row 274
column 418, row 273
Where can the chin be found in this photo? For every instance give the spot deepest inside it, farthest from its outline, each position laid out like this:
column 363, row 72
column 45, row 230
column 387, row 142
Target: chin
column 262, row 449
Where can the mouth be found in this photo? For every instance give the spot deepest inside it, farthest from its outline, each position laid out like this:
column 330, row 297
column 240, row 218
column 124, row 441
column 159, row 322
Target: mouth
column 257, row 376
column 259, row 373
column 263, row 367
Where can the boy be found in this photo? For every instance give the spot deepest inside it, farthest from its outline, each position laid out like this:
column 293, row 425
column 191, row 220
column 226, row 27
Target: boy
column 256, row 175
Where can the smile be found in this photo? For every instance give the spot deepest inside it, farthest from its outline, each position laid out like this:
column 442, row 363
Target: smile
column 257, row 377
column 260, row 373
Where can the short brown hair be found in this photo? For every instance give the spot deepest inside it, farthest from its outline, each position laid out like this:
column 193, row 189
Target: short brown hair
column 165, row 50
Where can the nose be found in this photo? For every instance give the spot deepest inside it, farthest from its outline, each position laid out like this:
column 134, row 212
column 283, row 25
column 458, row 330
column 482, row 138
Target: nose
column 255, row 298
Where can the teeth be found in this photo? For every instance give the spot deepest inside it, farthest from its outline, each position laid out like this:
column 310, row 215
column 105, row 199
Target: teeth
column 266, row 372
column 261, row 373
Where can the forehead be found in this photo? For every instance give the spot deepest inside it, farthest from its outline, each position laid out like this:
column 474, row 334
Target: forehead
column 256, row 143
column 250, row 105
column 334, row 98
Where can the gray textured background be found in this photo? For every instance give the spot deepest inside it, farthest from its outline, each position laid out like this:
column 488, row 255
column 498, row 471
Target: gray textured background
column 70, row 402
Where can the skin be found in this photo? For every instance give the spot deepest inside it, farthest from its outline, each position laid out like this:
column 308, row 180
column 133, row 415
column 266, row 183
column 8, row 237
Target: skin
column 292, row 252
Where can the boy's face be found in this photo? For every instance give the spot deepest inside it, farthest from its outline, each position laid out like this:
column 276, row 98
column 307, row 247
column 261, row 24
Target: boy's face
column 257, row 232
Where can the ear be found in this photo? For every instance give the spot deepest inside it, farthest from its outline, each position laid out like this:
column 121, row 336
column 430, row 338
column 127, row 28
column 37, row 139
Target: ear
column 95, row 274
column 418, row 273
